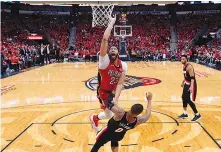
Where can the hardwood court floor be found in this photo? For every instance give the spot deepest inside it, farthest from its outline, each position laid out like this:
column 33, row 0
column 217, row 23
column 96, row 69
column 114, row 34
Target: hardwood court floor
column 47, row 109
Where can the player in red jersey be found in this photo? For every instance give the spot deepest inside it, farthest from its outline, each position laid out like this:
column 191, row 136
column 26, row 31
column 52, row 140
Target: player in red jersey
column 111, row 76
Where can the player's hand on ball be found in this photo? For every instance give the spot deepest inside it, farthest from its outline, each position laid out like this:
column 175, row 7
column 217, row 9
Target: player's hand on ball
column 149, row 96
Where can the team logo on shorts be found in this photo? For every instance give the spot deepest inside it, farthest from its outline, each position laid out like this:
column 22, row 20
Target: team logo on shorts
column 130, row 82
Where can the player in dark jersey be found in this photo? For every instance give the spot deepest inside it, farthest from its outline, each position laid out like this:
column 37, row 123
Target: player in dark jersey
column 189, row 89
column 111, row 76
column 120, row 123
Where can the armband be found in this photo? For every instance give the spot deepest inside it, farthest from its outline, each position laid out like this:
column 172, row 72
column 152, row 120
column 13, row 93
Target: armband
column 110, row 105
column 109, row 102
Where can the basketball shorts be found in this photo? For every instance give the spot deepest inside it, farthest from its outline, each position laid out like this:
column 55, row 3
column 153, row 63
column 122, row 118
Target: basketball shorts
column 105, row 136
column 187, row 96
column 103, row 97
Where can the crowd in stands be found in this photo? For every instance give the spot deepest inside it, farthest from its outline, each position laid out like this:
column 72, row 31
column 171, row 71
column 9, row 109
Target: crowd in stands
column 150, row 40
column 18, row 53
column 210, row 56
column 152, row 36
column 188, row 27
column 190, row 24
column 16, row 57
column 55, row 26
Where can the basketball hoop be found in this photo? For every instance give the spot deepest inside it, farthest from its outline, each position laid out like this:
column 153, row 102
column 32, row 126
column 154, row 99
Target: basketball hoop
column 101, row 13
column 123, row 36
column 123, row 33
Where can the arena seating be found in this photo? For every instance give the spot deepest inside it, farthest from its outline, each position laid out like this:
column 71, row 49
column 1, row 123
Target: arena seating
column 152, row 35
column 189, row 25
column 150, row 40
column 55, row 26
column 17, row 52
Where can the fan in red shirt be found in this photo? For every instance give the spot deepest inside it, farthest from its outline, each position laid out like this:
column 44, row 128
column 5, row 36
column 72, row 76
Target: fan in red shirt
column 217, row 55
column 111, row 76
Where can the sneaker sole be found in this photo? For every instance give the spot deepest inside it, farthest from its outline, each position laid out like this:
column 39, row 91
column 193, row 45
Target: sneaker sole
column 196, row 120
column 183, row 118
column 92, row 122
column 93, row 126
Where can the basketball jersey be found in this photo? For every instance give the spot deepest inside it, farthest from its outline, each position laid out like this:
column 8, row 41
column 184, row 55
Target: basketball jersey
column 108, row 78
column 119, row 128
column 187, row 75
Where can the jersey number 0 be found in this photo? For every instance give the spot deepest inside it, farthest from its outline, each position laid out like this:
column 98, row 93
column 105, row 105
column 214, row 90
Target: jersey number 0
column 119, row 130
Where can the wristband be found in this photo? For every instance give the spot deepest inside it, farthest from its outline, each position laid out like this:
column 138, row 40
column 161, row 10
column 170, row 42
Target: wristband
column 110, row 105
column 109, row 102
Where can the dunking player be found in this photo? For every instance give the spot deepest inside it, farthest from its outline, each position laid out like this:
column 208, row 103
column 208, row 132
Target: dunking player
column 120, row 123
column 111, row 76
column 189, row 89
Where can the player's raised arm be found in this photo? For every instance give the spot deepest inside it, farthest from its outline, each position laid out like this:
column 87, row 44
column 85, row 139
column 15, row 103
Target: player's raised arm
column 104, row 43
column 146, row 116
column 120, row 83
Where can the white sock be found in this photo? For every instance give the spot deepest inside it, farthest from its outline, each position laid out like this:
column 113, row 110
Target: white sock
column 185, row 112
column 105, row 115
column 197, row 114
column 102, row 115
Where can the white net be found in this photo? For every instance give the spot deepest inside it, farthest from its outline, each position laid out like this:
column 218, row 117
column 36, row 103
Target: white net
column 101, row 14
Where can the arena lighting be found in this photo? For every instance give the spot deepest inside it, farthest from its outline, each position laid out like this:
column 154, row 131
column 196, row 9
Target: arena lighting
column 35, row 4
column 48, row 4
column 216, row 2
column 34, row 36
column 180, row 3
column 205, row 2
column 124, row 4
column 61, row 5
column 84, row 5
column 212, row 33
